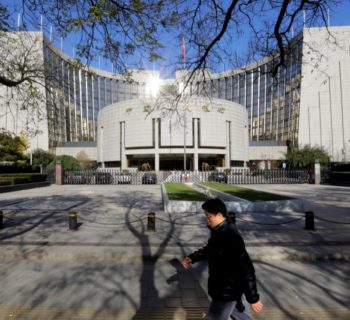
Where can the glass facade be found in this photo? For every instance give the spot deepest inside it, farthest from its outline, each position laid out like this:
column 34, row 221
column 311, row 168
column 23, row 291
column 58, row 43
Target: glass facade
column 75, row 96
column 272, row 102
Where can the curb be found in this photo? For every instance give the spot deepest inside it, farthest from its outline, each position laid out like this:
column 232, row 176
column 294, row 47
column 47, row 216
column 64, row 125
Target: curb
column 232, row 203
column 239, row 205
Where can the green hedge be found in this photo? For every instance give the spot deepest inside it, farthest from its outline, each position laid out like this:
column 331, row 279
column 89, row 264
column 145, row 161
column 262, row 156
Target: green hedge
column 5, row 182
column 341, row 178
column 20, row 178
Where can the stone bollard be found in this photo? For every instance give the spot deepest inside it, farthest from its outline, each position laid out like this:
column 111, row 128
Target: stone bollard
column 1, row 220
column 309, row 220
column 73, row 223
column 151, row 221
column 231, row 216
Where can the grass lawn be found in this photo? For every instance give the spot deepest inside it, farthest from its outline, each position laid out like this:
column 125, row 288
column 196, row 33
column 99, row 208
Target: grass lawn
column 244, row 193
column 180, row 191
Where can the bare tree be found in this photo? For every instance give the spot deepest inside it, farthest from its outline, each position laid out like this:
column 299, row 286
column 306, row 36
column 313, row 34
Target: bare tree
column 124, row 32
column 121, row 30
column 128, row 31
column 22, row 77
column 17, row 55
column 214, row 30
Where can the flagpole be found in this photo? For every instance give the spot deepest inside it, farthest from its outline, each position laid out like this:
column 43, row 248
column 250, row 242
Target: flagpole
column 19, row 22
column 328, row 19
column 183, row 53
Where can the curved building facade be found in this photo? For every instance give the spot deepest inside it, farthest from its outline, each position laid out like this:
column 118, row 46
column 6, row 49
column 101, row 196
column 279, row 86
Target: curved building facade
column 213, row 131
column 306, row 102
column 77, row 94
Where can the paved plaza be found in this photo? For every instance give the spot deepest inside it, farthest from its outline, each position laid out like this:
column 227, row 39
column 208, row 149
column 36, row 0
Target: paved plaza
column 113, row 267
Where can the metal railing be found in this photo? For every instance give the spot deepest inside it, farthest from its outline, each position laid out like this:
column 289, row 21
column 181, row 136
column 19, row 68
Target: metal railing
column 231, row 176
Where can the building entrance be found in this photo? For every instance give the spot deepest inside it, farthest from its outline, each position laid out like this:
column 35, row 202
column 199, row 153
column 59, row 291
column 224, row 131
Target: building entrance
column 142, row 163
column 175, row 162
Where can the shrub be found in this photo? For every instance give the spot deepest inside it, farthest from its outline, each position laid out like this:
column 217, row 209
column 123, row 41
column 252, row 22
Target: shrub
column 5, row 182
column 68, row 163
column 37, row 177
column 41, row 157
column 19, row 178
column 305, row 157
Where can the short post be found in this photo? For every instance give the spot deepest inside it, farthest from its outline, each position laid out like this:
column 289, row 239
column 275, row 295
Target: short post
column 59, row 172
column 73, row 224
column 309, row 220
column 231, row 216
column 151, row 221
column 1, row 220
column 317, row 172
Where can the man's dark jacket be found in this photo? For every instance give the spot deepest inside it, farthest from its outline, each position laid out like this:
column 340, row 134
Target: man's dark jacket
column 231, row 272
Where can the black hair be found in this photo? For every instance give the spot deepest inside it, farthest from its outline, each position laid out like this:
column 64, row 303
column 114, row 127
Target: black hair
column 215, row 206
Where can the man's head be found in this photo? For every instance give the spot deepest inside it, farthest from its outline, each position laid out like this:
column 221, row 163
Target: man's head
column 215, row 211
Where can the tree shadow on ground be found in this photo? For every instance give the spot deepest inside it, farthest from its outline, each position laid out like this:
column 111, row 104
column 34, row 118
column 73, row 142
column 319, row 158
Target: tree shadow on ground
column 304, row 287
column 74, row 284
column 186, row 294
column 48, row 287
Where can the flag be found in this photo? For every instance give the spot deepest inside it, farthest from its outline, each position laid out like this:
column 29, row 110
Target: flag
column 183, row 49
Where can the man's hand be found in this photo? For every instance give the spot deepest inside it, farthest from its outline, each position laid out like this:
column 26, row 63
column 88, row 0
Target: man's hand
column 257, row 306
column 186, row 262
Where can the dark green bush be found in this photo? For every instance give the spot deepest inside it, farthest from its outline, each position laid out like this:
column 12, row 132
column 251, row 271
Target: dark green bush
column 5, row 182
column 18, row 178
column 342, row 178
column 37, row 177
column 68, row 163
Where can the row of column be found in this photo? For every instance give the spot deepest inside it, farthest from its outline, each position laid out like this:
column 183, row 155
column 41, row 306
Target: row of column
column 194, row 150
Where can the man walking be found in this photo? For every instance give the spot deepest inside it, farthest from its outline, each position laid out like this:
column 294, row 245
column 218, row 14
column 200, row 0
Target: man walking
column 231, row 272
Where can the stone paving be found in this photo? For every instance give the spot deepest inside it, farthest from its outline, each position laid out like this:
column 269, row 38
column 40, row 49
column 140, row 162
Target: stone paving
column 112, row 267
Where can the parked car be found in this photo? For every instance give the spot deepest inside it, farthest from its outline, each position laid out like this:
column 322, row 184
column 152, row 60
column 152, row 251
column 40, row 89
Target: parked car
column 149, row 178
column 218, row 176
column 103, row 178
column 124, row 177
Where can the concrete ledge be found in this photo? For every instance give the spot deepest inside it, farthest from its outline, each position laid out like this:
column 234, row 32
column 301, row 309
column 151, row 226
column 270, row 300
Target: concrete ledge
column 292, row 205
column 24, row 186
column 239, row 205
column 232, row 203
column 171, row 206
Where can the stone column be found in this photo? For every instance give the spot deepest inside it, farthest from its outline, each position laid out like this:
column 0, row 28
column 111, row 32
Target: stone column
column 101, row 147
column 59, row 172
column 156, row 144
column 122, row 146
column 317, row 172
column 228, row 145
column 195, row 144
